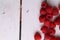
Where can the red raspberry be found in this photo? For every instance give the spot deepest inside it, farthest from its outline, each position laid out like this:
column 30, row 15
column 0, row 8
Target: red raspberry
column 55, row 11
column 57, row 20
column 49, row 16
column 42, row 18
column 59, row 27
column 51, row 31
column 57, row 38
column 37, row 36
column 53, row 38
column 59, row 6
column 44, row 4
column 44, row 29
column 42, row 11
column 49, row 9
column 52, row 25
column 47, row 23
column 47, row 37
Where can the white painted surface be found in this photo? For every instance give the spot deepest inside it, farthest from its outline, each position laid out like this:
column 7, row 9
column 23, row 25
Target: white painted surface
column 9, row 19
column 30, row 21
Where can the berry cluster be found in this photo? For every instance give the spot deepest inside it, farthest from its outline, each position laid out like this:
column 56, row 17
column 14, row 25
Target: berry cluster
column 46, row 16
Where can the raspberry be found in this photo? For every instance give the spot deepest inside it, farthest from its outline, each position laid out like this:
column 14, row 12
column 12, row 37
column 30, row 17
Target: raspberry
column 42, row 18
column 47, row 23
column 44, row 29
column 49, row 16
column 51, row 31
column 44, row 4
column 37, row 36
column 49, row 9
column 59, row 6
column 42, row 11
column 52, row 25
column 53, row 38
column 47, row 37
column 55, row 11
column 57, row 38
column 57, row 20
column 59, row 27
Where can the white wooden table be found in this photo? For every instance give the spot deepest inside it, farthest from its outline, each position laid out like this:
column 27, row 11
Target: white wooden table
column 30, row 21
column 9, row 19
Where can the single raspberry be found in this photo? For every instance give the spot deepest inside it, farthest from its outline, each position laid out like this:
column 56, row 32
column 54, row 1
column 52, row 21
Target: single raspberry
column 53, row 38
column 47, row 23
column 51, row 31
column 59, row 27
column 44, row 4
column 44, row 29
column 52, row 25
column 57, row 20
column 42, row 18
column 55, row 11
column 49, row 16
column 57, row 38
column 42, row 11
column 37, row 36
column 59, row 6
column 49, row 9
column 47, row 37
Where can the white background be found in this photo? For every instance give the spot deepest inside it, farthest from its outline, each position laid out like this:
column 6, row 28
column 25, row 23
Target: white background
column 30, row 20
column 9, row 19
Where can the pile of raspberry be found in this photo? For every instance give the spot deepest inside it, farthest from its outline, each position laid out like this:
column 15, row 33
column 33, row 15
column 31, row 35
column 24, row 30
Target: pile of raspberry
column 47, row 12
